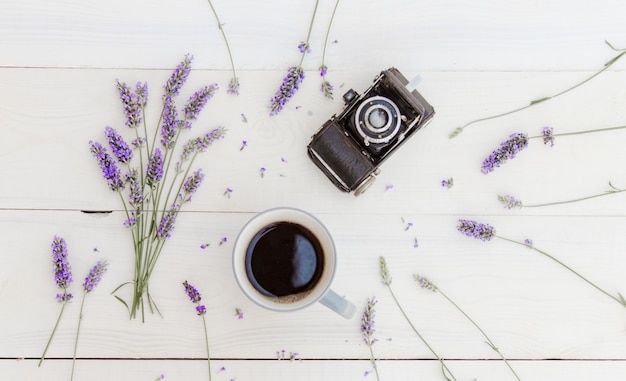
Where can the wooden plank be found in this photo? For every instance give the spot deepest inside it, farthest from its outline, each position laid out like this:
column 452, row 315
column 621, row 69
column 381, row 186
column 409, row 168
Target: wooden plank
column 153, row 370
column 531, row 307
column 46, row 142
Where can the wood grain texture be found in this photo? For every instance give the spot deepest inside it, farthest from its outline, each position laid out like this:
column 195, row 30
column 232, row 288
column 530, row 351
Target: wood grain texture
column 58, row 69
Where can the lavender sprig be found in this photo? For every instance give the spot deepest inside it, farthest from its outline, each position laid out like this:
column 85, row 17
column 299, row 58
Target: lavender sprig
column 91, row 281
column 233, row 85
column 508, row 149
column 457, row 131
column 198, row 100
column 426, row 284
column 486, row 232
column 386, row 279
column 291, row 84
column 155, row 193
column 195, row 297
column 295, row 74
column 510, row 202
column 326, row 88
column 133, row 103
column 63, row 279
column 122, row 152
column 518, row 141
column 110, row 171
column 367, row 330
column 178, row 77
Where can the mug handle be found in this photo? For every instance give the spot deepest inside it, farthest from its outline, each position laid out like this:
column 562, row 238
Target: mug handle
column 338, row 304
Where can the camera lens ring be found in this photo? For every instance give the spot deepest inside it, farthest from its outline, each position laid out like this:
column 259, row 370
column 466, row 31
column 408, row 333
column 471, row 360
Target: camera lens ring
column 377, row 120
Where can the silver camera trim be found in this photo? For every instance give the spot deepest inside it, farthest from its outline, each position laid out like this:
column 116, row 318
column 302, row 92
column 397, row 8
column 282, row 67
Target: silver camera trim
column 373, row 105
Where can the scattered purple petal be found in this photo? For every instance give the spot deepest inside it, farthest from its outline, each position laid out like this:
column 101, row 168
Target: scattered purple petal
column 447, row 183
column 244, row 144
column 239, row 313
column 388, row 187
column 262, row 171
column 227, row 192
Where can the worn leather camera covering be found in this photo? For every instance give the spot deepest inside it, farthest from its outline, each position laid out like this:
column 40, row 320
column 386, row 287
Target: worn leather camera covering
column 337, row 150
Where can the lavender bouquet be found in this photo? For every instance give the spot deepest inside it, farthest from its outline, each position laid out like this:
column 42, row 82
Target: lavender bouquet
column 157, row 176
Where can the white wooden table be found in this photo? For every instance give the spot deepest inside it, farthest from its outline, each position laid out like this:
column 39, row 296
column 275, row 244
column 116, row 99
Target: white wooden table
column 58, row 65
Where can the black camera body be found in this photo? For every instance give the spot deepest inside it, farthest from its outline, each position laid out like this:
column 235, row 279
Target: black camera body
column 350, row 146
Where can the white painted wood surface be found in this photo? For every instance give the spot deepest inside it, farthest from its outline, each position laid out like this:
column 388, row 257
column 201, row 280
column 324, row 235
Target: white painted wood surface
column 58, row 65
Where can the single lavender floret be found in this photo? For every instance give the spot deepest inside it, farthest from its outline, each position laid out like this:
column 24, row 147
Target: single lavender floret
column 110, row 171
column 178, row 77
column 119, row 147
column 132, row 103
column 474, row 229
column 167, row 222
column 509, row 201
column 548, row 136
column 233, row 86
column 291, row 83
column 154, row 173
column 304, row 47
column 192, row 183
column 198, row 100
column 169, row 123
column 95, row 275
column 508, row 149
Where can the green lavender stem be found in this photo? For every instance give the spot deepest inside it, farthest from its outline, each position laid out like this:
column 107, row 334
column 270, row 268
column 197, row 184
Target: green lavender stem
column 308, row 36
column 206, row 341
column 52, row 334
column 541, row 100
column 219, row 25
column 80, row 319
column 443, row 364
column 489, row 342
column 619, row 299
column 373, row 361
column 330, row 23
column 386, row 279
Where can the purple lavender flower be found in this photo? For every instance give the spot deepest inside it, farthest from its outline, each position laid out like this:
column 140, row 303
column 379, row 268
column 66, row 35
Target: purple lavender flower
column 509, row 201
column 136, row 193
column 476, row 230
column 507, row 150
column 192, row 183
column 447, row 183
column 95, row 275
column 233, row 86
column 178, row 77
column 424, row 282
column 109, row 169
column 327, row 89
column 548, row 137
column 323, row 70
column 167, row 222
column 304, row 47
column 198, row 100
column 62, row 268
column 141, row 91
column 169, row 123
column 120, row 149
column 194, row 297
column 367, row 322
column 154, row 173
column 291, row 83
column 132, row 104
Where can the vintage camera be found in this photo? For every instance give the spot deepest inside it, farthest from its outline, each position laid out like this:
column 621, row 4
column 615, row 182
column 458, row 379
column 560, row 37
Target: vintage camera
column 351, row 146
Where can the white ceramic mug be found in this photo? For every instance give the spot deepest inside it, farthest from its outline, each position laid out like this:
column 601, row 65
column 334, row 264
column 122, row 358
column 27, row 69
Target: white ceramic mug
column 320, row 292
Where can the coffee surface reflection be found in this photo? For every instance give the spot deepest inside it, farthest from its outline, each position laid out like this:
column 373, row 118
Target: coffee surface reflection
column 284, row 260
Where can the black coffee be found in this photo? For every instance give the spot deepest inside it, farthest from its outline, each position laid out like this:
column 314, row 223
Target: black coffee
column 284, row 259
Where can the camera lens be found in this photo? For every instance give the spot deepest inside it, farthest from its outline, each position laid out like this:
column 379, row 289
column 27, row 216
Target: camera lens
column 377, row 120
